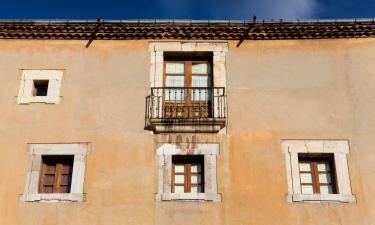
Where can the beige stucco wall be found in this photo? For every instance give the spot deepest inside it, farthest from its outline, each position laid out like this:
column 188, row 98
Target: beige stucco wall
column 318, row 89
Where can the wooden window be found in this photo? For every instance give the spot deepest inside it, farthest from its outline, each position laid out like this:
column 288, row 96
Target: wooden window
column 187, row 174
column 188, row 74
column 56, row 174
column 200, row 78
column 188, row 70
column 40, row 87
column 174, row 77
column 188, row 84
column 317, row 174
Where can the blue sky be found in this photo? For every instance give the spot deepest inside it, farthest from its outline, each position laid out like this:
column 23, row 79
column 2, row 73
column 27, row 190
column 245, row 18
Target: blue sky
column 186, row 9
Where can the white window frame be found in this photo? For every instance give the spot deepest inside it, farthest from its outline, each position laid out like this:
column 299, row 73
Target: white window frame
column 31, row 190
column 339, row 148
column 25, row 93
column 165, row 151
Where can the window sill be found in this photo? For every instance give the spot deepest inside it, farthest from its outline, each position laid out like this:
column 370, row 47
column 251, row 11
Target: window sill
column 188, row 197
column 54, row 197
column 317, row 198
column 39, row 99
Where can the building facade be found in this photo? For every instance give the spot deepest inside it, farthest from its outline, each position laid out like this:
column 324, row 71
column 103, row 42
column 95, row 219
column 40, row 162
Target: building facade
column 187, row 122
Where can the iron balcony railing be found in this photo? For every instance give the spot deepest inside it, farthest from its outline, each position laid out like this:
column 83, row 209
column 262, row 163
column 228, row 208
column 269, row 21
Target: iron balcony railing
column 185, row 103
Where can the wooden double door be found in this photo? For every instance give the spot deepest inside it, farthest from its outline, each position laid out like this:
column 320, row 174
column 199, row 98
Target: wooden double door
column 187, row 89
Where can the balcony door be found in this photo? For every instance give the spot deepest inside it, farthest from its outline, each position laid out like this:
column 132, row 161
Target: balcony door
column 187, row 88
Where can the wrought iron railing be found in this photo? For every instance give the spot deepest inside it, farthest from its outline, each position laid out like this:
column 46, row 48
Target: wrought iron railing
column 182, row 103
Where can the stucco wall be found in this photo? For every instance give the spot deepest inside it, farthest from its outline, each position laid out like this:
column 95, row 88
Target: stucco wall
column 318, row 89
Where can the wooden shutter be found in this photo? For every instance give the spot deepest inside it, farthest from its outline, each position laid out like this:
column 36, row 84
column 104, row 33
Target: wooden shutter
column 56, row 174
column 317, row 174
column 187, row 174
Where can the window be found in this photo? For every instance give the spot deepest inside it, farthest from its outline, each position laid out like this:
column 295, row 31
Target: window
column 187, row 174
column 40, row 86
column 162, row 52
column 188, row 74
column 192, row 71
column 317, row 171
column 55, row 173
column 317, row 174
column 187, row 82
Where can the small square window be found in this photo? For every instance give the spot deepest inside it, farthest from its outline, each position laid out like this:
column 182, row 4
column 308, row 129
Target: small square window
column 56, row 174
column 317, row 171
column 40, row 87
column 317, row 174
column 187, row 174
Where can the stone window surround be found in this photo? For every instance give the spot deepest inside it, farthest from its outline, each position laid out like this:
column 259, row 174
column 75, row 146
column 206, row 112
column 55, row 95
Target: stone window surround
column 339, row 148
column 31, row 191
column 54, row 77
column 219, row 50
column 165, row 151
column 157, row 49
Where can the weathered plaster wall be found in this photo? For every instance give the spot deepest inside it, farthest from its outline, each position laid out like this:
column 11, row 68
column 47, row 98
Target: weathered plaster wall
column 304, row 90
column 320, row 89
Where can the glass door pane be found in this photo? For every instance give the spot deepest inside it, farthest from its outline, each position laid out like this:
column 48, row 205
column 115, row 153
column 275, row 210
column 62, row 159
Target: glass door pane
column 174, row 93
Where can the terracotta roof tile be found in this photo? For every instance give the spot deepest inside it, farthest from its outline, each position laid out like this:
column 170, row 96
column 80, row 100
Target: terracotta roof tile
column 201, row 30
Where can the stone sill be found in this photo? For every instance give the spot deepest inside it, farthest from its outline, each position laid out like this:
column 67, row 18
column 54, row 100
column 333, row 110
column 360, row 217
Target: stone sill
column 317, row 198
column 39, row 99
column 188, row 197
column 53, row 197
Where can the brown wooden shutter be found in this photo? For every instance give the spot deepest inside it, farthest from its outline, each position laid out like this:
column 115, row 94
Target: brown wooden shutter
column 56, row 174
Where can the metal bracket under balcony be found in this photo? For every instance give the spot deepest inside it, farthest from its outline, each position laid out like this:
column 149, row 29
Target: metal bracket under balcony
column 186, row 110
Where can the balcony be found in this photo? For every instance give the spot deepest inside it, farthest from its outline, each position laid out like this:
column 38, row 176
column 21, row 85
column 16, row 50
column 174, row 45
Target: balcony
column 186, row 110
